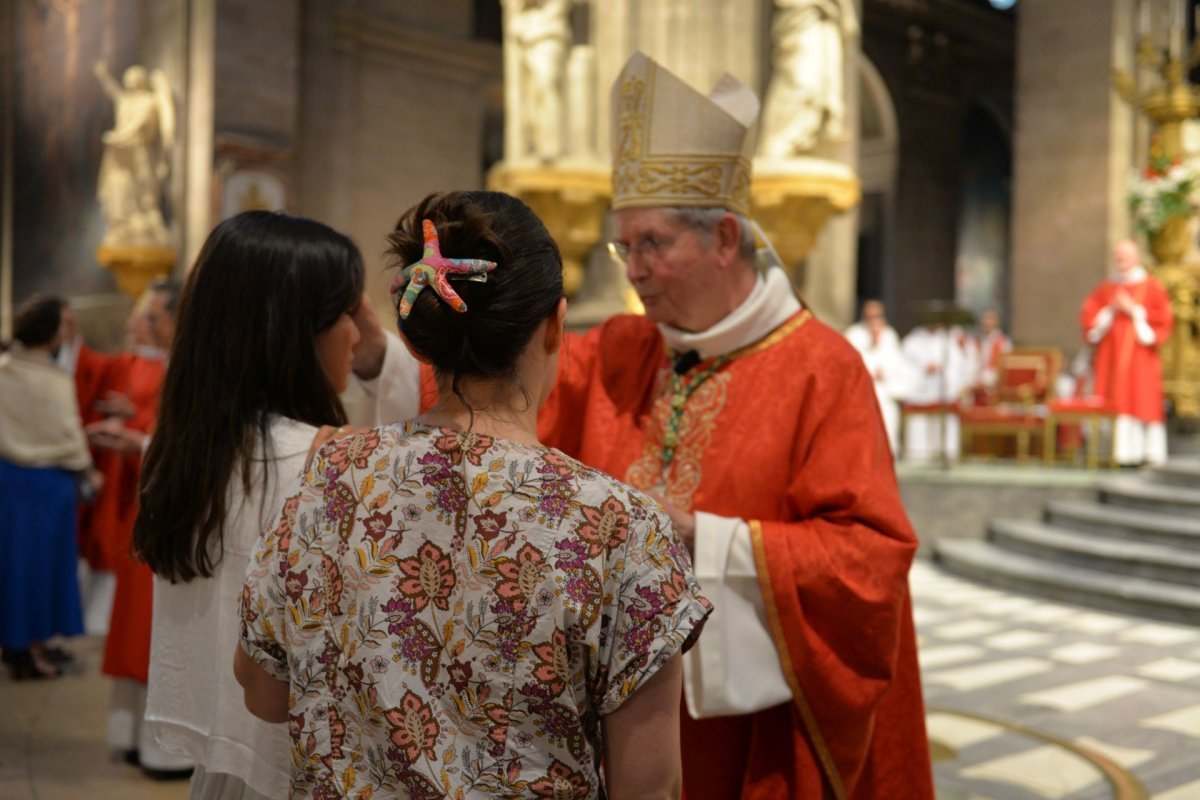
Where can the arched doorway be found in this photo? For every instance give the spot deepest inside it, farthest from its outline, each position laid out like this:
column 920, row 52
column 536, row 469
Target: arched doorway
column 878, row 156
column 981, row 264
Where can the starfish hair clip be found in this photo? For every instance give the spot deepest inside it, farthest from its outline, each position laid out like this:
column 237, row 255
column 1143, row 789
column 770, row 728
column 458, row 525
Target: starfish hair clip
column 436, row 270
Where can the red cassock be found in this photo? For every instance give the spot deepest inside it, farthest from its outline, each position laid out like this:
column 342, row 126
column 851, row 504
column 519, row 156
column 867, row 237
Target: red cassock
column 1128, row 373
column 110, row 523
column 90, row 370
column 786, row 435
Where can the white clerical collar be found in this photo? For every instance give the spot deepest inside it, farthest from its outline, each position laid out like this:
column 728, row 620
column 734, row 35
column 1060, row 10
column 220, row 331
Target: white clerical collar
column 770, row 304
column 1135, row 275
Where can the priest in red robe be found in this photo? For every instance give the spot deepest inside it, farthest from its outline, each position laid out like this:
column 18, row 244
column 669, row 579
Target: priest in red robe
column 1127, row 319
column 128, row 406
column 758, row 428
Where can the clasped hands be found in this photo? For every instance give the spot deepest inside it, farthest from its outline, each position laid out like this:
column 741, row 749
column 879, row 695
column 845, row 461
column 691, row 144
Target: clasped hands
column 1124, row 303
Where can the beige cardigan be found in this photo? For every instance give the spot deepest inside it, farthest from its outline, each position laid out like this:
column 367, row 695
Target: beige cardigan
column 39, row 415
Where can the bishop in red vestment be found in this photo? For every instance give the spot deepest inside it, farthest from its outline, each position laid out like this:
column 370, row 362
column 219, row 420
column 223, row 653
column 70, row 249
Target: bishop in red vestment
column 758, row 428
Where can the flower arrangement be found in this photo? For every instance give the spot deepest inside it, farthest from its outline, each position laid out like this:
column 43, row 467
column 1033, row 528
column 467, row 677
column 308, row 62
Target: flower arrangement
column 1164, row 190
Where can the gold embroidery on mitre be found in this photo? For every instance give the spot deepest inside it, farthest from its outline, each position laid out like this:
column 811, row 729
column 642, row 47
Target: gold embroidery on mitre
column 629, row 143
column 682, row 477
column 673, row 146
column 679, row 180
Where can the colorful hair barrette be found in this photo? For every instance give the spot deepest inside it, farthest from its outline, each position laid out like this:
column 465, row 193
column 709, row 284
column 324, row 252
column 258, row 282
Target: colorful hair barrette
column 435, row 270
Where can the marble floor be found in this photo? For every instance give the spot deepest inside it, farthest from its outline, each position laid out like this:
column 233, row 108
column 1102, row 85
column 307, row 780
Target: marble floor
column 1028, row 700
column 1036, row 700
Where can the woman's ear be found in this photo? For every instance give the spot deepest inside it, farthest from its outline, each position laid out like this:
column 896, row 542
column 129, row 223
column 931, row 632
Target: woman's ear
column 555, row 326
column 412, row 350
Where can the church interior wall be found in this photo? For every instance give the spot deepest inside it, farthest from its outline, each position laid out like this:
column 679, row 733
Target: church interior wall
column 58, row 114
column 938, row 59
column 257, row 68
column 393, row 107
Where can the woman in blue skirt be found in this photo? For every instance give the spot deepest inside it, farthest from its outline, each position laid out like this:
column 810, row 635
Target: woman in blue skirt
column 42, row 450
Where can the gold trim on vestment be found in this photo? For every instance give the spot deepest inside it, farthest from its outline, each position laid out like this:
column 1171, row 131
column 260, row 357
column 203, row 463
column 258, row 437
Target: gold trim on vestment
column 679, row 479
column 789, row 669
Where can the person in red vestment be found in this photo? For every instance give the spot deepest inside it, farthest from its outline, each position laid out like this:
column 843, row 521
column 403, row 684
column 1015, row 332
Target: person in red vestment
column 129, row 401
column 757, row 427
column 1126, row 319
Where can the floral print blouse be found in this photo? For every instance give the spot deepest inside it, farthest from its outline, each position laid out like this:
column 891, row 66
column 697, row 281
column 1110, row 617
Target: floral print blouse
column 455, row 614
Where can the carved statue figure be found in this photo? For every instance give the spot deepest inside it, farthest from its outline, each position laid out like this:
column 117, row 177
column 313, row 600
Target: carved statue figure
column 541, row 33
column 804, row 104
column 135, row 164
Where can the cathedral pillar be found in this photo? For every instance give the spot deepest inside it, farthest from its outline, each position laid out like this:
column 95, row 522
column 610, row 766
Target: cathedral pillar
column 1073, row 151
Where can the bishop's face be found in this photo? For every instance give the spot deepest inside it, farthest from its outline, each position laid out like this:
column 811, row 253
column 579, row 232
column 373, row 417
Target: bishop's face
column 671, row 265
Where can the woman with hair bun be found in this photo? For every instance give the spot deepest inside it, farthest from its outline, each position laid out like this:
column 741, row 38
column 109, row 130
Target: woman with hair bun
column 445, row 606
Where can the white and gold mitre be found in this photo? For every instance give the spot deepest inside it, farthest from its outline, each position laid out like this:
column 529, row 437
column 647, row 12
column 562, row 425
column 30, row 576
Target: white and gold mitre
column 673, row 146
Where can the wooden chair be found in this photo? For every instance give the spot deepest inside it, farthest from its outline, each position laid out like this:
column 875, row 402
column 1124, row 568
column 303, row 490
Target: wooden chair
column 1088, row 412
column 1018, row 406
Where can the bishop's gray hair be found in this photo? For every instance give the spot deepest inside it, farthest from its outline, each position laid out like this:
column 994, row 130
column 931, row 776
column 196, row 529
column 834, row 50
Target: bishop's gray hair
column 706, row 219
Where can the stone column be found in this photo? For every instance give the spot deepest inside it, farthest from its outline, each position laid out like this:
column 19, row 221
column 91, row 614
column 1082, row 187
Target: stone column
column 831, row 270
column 1072, row 155
column 200, row 115
column 698, row 40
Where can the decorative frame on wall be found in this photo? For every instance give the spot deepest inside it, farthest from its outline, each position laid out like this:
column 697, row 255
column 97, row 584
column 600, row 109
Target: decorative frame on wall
column 250, row 174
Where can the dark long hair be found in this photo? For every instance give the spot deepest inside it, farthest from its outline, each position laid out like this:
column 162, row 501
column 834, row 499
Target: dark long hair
column 264, row 285
column 38, row 320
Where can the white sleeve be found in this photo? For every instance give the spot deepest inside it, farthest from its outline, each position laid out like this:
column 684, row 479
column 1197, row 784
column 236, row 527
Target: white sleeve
column 1103, row 322
column 392, row 396
column 734, row 666
column 1145, row 334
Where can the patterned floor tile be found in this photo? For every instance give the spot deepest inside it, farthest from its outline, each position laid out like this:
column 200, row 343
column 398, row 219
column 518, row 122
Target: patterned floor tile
column 1127, row 757
column 1160, row 635
column 959, row 732
column 1185, row 721
column 1093, row 622
column 1048, row 771
column 1171, row 669
column 1083, row 652
column 1046, row 612
column 1018, row 640
column 1075, row 697
column 986, row 675
column 1189, row 791
column 937, row 657
column 967, row 629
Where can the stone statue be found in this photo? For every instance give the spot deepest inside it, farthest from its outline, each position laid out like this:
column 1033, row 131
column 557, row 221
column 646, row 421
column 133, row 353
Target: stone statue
column 135, row 165
column 804, row 104
column 541, row 33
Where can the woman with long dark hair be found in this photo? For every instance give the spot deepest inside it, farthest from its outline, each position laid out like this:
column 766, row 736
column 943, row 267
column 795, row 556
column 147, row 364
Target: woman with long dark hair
column 268, row 332
column 446, row 606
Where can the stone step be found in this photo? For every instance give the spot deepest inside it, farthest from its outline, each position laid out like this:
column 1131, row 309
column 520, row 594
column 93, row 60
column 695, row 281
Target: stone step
column 1134, row 524
column 1118, row 557
column 1183, row 471
column 985, row 562
column 1135, row 491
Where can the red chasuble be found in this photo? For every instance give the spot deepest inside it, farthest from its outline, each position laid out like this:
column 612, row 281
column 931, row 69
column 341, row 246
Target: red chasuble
column 110, row 524
column 1128, row 373
column 90, row 369
column 786, row 435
